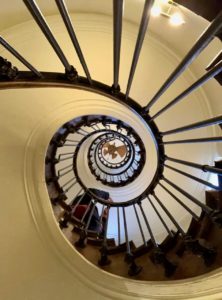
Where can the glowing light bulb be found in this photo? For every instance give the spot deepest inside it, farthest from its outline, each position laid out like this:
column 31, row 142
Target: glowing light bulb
column 155, row 11
column 176, row 19
column 164, row 1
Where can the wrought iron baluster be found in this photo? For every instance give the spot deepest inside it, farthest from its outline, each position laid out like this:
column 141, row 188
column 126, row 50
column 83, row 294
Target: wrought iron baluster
column 68, row 23
column 86, row 211
column 83, row 130
column 198, row 47
column 209, row 75
column 40, row 20
column 69, row 187
column 117, row 30
column 68, row 182
column 204, row 168
column 101, row 219
column 141, row 35
column 69, row 145
column 81, row 133
column 133, row 269
column 180, row 202
column 66, row 158
column 90, row 216
column 71, row 202
column 79, row 201
column 19, row 57
column 104, row 258
column 73, row 141
column 191, row 141
column 194, row 178
column 126, row 232
column 208, row 122
column 64, row 154
column 97, row 126
column 179, row 228
column 148, row 226
column 160, row 217
column 140, row 226
column 204, row 207
column 63, row 174
column 118, row 224
column 214, row 61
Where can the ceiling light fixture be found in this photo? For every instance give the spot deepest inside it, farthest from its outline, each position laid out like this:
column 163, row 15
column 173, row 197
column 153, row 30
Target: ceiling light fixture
column 169, row 9
column 156, row 11
column 176, row 19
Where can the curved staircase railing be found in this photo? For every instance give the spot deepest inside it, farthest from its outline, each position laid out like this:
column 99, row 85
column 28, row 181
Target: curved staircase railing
column 116, row 155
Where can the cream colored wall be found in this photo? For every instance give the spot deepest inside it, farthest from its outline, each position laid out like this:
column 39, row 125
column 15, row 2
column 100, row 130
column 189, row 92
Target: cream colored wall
column 36, row 261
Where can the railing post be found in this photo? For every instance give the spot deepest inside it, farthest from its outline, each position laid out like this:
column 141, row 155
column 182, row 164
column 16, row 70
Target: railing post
column 103, row 261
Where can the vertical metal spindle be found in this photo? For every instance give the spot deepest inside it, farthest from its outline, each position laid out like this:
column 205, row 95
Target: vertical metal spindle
column 71, row 202
column 40, row 20
column 93, row 128
column 73, row 141
column 197, row 125
column 198, row 47
column 126, row 231
column 194, row 178
column 191, row 141
column 64, row 168
column 160, row 217
column 90, row 216
column 140, row 226
column 87, row 210
column 97, row 127
column 65, row 184
column 19, row 57
column 69, row 187
column 118, row 224
column 81, row 133
column 106, row 228
column 79, row 201
column 103, row 261
column 83, row 130
column 204, row 168
column 64, row 154
column 180, row 202
column 210, row 74
column 204, row 207
column 66, row 158
column 101, row 218
column 69, row 145
column 169, row 215
column 214, row 61
column 148, row 227
column 141, row 35
column 117, row 30
column 63, row 174
column 68, row 23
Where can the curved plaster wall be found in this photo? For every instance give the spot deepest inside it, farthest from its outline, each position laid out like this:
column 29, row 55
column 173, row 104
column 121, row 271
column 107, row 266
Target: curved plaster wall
column 30, row 118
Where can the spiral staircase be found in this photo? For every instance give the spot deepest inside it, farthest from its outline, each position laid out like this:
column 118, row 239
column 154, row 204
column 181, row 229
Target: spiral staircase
column 165, row 218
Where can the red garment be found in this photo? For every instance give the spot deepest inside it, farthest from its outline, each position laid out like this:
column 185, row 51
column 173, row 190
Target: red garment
column 80, row 211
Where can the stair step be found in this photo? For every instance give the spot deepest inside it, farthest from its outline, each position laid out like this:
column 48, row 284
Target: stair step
column 143, row 249
column 120, row 248
column 169, row 242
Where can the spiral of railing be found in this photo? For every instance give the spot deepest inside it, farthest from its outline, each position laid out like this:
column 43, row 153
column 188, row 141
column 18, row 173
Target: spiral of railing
column 113, row 154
